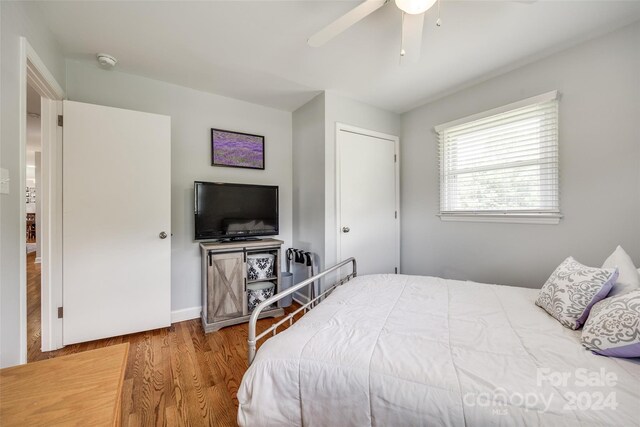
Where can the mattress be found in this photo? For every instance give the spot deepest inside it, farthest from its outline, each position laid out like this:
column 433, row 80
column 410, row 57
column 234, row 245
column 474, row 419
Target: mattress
column 398, row 350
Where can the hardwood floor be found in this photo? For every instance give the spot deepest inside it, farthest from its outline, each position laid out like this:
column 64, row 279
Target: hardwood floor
column 177, row 376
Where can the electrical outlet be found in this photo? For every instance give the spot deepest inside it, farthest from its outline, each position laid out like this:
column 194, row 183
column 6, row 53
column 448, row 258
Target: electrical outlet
column 4, row 181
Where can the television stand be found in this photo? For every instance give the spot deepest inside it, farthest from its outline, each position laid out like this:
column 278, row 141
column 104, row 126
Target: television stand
column 225, row 280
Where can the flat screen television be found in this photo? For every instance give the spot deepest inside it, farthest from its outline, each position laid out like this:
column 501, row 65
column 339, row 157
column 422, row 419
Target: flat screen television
column 235, row 211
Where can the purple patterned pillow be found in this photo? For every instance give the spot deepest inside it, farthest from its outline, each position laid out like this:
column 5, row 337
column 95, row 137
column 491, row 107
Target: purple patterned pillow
column 572, row 289
column 613, row 327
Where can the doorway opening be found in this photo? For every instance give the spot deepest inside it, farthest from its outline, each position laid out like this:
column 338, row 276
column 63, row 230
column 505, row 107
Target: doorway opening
column 33, row 209
column 39, row 187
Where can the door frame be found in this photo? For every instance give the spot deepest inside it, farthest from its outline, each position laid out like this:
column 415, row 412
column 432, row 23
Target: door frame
column 342, row 127
column 34, row 72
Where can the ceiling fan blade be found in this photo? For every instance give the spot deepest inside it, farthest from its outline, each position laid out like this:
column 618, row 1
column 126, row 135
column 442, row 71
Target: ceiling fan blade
column 350, row 18
column 411, row 38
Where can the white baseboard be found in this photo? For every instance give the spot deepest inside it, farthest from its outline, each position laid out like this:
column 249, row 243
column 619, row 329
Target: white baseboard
column 185, row 314
column 38, row 260
column 194, row 312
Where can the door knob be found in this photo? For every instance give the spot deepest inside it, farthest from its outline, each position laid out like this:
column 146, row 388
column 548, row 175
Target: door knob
column 346, row 229
column 163, row 235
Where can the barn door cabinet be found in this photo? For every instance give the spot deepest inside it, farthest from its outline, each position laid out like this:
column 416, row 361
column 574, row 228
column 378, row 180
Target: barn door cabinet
column 225, row 280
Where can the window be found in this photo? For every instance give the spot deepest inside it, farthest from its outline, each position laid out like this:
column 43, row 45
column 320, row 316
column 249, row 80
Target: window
column 502, row 165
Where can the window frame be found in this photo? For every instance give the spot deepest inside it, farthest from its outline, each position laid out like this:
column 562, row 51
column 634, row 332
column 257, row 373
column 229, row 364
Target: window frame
column 512, row 215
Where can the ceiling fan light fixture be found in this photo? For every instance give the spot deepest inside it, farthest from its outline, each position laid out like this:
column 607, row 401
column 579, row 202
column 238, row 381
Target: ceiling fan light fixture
column 415, row 7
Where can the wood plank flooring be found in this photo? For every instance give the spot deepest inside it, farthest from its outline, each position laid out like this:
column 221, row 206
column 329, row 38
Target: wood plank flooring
column 177, row 376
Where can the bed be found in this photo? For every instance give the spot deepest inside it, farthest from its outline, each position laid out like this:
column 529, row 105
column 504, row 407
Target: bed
column 398, row 350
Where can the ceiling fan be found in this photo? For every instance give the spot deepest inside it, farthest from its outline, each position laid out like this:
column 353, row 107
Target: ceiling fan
column 413, row 12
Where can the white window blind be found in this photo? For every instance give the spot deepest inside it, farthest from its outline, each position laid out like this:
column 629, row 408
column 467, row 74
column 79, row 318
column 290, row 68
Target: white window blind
column 502, row 163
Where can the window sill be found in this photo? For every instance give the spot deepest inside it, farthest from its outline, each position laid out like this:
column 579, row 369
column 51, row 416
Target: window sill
column 550, row 219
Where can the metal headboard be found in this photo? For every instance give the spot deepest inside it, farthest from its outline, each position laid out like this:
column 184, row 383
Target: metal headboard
column 253, row 339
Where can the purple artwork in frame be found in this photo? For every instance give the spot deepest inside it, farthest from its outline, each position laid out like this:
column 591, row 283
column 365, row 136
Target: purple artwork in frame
column 237, row 149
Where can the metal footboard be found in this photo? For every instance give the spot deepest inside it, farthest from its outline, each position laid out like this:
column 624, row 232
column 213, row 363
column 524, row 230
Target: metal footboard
column 253, row 339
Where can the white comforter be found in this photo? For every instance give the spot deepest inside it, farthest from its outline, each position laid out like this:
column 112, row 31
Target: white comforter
column 395, row 350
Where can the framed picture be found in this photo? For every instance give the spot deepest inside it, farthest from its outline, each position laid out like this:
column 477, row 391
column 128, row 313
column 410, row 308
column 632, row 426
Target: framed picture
column 237, row 149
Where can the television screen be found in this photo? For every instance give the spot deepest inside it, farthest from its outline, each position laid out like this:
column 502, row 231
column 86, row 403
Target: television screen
column 226, row 211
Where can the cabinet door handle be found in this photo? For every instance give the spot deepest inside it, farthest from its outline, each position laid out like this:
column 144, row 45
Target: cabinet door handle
column 346, row 229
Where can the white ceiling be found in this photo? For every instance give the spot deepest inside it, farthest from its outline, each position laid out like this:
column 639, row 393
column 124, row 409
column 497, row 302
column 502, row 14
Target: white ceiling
column 256, row 50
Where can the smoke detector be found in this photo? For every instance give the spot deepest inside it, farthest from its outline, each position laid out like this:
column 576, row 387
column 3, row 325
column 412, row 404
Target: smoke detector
column 106, row 60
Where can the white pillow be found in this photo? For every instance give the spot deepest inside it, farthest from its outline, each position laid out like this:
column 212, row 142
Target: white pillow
column 628, row 276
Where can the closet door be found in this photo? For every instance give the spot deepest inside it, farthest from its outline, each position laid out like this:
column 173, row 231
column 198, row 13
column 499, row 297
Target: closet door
column 226, row 287
column 368, row 200
column 116, row 238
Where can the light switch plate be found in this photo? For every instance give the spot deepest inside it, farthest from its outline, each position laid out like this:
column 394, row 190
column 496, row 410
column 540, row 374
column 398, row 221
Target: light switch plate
column 4, row 181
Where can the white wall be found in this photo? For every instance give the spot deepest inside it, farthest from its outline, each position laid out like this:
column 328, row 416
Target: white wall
column 193, row 114
column 38, row 204
column 16, row 19
column 308, row 180
column 314, row 148
column 599, row 82
column 340, row 109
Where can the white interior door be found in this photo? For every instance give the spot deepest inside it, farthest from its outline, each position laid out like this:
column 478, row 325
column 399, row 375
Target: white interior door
column 368, row 201
column 116, row 203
